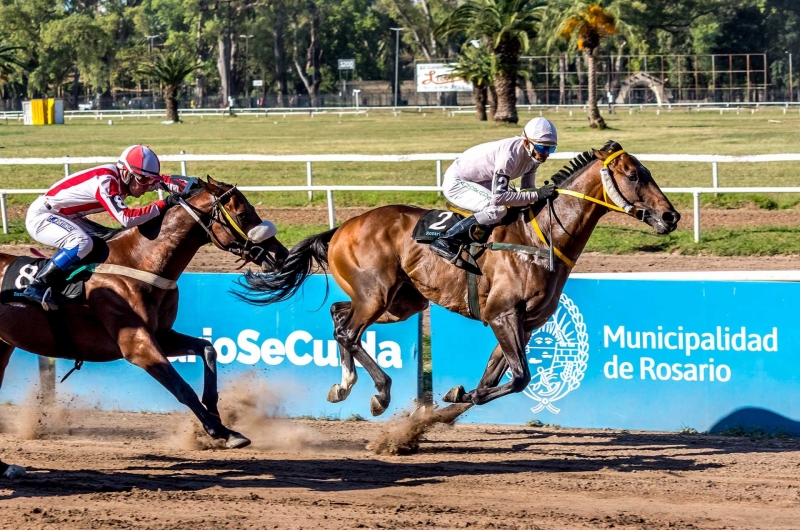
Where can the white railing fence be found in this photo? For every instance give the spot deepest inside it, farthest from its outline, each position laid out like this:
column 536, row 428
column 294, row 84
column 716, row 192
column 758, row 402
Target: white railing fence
column 265, row 112
column 438, row 158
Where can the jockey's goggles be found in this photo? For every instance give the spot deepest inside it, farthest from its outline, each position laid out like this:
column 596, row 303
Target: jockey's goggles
column 544, row 149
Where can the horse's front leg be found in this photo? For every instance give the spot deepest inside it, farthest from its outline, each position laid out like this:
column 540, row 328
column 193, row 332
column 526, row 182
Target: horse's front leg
column 177, row 344
column 510, row 335
column 140, row 348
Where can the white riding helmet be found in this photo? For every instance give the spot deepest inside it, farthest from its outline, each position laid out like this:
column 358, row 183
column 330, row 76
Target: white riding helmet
column 542, row 135
column 138, row 160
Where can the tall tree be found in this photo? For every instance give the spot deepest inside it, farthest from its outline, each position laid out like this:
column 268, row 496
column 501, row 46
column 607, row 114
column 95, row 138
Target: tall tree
column 506, row 27
column 171, row 68
column 587, row 23
column 476, row 65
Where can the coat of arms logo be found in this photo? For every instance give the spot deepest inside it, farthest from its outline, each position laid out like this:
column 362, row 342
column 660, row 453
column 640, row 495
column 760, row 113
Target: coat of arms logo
column 557, row 353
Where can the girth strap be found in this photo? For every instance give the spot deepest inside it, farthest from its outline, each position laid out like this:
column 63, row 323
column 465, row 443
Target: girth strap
column 121, row 270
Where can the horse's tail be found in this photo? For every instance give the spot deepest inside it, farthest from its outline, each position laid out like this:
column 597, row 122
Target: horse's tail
column 303, row 258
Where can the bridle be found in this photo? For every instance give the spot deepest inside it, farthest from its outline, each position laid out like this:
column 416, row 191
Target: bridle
column 247, row 250
column 609, row 188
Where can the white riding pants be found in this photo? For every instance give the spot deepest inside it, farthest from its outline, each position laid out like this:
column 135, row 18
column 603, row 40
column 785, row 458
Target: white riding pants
column 473, row 197
column 57, row 231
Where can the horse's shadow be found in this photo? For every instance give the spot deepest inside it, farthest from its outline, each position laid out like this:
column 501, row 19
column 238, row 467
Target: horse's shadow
column 323, row 475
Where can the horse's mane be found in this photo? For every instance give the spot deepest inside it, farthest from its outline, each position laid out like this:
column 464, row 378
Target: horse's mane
column 108, row 233
column 580, row 163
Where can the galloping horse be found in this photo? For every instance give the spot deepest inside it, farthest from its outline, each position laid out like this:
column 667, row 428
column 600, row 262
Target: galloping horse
column 390, row 277
column 129, row 309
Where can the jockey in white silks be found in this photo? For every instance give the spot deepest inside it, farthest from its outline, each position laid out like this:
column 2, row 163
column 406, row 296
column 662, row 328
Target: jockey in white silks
column 56, row 218
column 478, row 181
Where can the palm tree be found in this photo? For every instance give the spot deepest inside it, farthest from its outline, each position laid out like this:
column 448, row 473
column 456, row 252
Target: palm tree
column 9, row 62
column 506, row 26
column 476, row 65
column 588, row 23
column 170, row 68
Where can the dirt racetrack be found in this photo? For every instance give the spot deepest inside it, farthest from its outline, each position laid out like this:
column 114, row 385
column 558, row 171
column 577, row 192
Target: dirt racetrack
column 121, row 470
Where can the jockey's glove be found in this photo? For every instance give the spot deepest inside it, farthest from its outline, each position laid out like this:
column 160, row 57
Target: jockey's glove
column 548, row 191
column 171, row 200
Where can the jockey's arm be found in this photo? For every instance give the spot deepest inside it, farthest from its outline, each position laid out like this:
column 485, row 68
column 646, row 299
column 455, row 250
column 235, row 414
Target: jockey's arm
column 502, row 196
column 109, row 196
column 171, row 184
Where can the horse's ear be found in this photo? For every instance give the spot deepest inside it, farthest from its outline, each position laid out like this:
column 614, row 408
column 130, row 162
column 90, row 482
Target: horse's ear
column 598, row 154
column 212, row 181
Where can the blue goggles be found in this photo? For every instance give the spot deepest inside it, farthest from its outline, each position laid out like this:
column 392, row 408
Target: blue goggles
column 544, row 149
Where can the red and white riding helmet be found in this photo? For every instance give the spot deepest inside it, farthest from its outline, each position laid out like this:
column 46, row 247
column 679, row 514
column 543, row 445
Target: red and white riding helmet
column 140, row 161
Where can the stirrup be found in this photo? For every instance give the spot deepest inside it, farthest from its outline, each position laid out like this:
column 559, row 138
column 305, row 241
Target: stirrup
column 48, row 304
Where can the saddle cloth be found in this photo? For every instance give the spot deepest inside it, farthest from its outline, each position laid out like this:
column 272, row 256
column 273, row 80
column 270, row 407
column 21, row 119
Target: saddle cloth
column 22, row 272
column 433, row 224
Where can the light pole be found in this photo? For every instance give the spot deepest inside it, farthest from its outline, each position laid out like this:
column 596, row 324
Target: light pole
column 151, row 38
column 246, row 73
column 396, row 60
column 791, row 88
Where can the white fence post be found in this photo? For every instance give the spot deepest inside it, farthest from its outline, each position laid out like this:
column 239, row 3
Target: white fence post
column 66, row 168
column 309, row 179
column 3, row 212
column 331, row 213
column 184, row 171
column 714, row 175
column 439, row 175
column 696, row 197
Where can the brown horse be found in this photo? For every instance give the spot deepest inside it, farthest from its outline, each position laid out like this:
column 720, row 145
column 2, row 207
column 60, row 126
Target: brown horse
column 390, row 277
column 130, row 318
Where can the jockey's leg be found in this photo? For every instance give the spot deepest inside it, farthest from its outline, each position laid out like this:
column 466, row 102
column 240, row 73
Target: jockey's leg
column 471, row 197
column 140, row 348
column 59, row 232
column 177, row 344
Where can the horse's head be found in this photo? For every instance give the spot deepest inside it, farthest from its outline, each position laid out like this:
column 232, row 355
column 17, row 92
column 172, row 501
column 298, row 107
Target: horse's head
column 630, row 186
column 236, row 227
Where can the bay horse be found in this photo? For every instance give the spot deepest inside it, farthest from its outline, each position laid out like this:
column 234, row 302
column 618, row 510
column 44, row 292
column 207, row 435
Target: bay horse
column 130, row 317
column 390, row 277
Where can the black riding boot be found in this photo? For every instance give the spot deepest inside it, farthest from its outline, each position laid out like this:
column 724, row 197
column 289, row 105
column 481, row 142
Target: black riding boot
column 447, row 246
column 40, row 290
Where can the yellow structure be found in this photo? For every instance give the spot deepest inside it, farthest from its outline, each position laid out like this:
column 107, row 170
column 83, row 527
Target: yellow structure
column 43, row 111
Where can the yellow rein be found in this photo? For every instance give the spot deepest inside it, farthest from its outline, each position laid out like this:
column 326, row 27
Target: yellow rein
column 568, row 262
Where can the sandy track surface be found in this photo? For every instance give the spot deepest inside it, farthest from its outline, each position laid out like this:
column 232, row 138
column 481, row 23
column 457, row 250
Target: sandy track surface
column 129, row 471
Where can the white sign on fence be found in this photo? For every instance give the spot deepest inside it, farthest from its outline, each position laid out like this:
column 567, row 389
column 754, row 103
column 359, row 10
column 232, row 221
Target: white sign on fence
column 347, row 64
column 258, row 82
column 435, row 77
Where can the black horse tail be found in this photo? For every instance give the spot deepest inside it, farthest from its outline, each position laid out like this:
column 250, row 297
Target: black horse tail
column 268, row 288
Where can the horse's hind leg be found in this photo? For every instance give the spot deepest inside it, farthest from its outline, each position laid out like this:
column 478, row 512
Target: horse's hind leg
column 340, row 311
column 7, row 470
column 5, row 356
column 177, row 344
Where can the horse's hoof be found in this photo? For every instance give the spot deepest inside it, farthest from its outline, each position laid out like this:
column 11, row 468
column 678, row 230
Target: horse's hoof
column 14, row 472
column 376, row 407
column 236, row 441
column 336, row 394
column 454, row 395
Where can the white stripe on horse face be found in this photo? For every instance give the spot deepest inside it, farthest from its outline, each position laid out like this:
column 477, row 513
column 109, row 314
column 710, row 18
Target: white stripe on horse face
column 262, row 232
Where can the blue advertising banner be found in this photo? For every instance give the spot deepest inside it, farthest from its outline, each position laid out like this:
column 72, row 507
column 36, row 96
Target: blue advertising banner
column 644, row 354
column 290, row 345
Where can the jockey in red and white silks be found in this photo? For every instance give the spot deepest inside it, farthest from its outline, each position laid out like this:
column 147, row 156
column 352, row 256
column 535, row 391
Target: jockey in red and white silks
column 56, row 218
column 478, row 181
